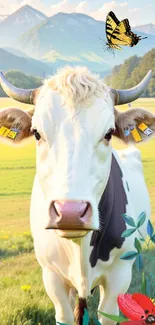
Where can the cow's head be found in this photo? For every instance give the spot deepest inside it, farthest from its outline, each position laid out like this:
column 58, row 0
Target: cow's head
column 73, row 122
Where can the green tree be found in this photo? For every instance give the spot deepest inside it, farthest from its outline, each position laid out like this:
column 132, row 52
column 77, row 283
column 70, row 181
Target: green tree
column 132, row 71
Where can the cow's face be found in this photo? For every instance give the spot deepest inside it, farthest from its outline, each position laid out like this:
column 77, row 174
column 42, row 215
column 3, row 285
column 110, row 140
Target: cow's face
column 73, row 158
column 73, row 121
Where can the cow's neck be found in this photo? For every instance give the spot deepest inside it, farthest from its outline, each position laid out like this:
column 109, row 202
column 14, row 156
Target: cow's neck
column 77, row 267
column 111, row 207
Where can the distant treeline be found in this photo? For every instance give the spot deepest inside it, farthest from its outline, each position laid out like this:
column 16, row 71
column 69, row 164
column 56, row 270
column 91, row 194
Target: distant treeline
column 132, row 71
column 21, row 80
column 123, row 76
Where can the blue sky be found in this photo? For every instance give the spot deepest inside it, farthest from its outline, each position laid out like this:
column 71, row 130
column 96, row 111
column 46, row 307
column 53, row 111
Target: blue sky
column 138, row 11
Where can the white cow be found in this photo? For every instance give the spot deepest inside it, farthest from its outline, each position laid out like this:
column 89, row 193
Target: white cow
column 82, row 185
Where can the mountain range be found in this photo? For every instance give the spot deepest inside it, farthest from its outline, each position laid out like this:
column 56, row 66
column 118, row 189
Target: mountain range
column 18, row 23
column 147, row 29
column 65, row 39
column 9, row 61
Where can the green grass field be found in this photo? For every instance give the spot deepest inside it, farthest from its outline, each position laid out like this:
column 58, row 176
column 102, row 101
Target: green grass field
column 22, row 295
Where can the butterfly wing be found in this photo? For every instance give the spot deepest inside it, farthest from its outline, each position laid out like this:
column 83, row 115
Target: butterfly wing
column 111, row 23
column 119, row 33
column 122, row 34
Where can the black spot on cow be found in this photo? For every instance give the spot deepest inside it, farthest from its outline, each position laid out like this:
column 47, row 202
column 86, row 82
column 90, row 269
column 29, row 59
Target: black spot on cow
column 111, row 207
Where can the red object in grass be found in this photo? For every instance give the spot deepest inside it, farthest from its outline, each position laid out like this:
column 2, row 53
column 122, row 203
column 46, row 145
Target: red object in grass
column 134, row 322
column 138, row 308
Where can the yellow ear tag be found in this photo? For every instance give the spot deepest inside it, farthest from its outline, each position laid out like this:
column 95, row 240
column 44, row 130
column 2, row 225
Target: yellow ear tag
column 135, row 134
column 10, row 133
column 13, row 133
column 144, row 128
column 4, row 131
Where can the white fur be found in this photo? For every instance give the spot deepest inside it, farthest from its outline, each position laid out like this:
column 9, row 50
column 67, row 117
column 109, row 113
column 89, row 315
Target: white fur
column 73, row 163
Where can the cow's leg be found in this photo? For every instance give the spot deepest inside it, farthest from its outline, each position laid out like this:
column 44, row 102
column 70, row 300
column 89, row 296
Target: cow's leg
column 58, row 291
column 117, row 281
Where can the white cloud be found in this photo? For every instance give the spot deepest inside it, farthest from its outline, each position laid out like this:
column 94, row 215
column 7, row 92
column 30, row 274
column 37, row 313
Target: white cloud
column 62, row 6
column 102, row 12
column 122, row 10
column 83, row 7
column 65, row 6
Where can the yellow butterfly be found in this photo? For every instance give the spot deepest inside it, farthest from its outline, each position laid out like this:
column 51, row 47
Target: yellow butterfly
column 119, row 33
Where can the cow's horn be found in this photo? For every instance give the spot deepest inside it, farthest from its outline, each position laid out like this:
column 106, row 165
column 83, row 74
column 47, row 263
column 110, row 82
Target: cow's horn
column 129, row 95
column 26, row 96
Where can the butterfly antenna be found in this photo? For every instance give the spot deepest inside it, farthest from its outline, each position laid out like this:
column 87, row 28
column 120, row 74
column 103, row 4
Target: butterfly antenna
column 140, row 37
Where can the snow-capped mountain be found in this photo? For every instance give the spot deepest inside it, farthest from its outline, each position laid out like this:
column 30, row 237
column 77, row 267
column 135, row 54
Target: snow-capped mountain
column 18, row 23
column 65, row 39
column 148, row 28
column 80, row 39
column 2, row 17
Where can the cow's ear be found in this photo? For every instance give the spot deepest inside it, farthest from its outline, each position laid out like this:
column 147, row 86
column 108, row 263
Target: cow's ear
column 132, row 120
column 15, row 125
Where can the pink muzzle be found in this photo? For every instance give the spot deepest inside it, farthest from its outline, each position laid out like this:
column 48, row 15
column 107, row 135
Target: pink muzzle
column 70, row 215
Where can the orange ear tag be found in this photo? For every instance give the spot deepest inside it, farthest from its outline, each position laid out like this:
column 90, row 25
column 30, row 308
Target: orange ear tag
column 144, row 128
column 135, row 134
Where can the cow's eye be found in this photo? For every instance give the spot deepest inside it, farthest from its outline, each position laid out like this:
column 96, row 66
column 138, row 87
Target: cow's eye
column 36, row 134
column 109, row 134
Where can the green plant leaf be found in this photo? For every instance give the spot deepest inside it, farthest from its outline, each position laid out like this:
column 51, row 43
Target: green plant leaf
column 153, row 239
column 143, row 284
column 128, row 255
column 150, row 229
column 137, row 245
column 142, row 240
column 139, row 262
column 113, row 317
column 141, row 219
column 85, row 317
column 128, row 232
column 129, row 220
column 96, row 322
column 148, row 287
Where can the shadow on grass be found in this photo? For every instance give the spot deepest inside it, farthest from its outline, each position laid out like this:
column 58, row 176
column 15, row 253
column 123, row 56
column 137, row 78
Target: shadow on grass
column 4, row 253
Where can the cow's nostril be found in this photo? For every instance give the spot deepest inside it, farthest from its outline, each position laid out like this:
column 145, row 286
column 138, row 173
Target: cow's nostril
column 85, row 211
column 55, row 209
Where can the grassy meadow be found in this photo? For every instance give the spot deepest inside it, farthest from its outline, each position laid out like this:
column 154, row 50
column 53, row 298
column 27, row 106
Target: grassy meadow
column 23, row 300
